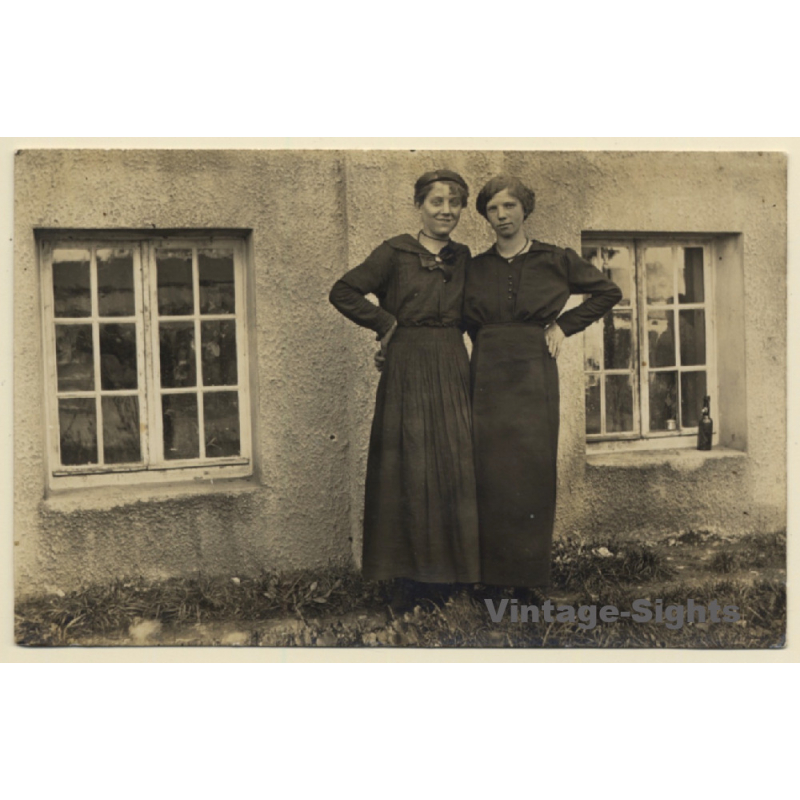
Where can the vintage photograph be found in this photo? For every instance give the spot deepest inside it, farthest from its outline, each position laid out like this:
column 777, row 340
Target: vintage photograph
column 385, row 398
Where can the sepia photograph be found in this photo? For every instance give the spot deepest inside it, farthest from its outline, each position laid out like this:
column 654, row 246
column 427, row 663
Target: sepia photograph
column 400, row 398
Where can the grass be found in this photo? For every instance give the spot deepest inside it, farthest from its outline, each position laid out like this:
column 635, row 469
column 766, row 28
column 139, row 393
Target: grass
column 338, row 608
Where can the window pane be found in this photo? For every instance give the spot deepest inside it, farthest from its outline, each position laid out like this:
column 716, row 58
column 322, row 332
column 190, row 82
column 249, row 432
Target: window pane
column 661, row 338
column 219, row 353
column 175, row 293
column 71, row 287
column 659, row 274
column 593, row 347
column 77, row 425
column 617, row 263
column 121, row 430
column 178, row 367
column 693, row 390
column 118, row 356
column 593, row 403
column 690, row 281
column 216, row 282
column 693, row 337
column 74, row 358
column 619, row 404
column 663, row 401
column 221, row 411
column 115, row 283
column 617, row 342
column 181, row 439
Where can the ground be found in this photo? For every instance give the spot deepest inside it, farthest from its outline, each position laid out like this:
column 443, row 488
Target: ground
column 337, row 608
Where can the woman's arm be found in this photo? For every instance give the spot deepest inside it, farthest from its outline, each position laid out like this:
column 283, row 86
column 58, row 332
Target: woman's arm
column 371, row 277
column 585, row 278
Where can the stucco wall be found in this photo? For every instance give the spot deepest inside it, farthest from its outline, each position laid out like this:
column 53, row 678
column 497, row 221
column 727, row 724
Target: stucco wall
column 298, row 508
column 313, row 215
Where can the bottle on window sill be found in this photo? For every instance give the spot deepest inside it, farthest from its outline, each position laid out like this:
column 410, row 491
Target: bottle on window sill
column 705, row 427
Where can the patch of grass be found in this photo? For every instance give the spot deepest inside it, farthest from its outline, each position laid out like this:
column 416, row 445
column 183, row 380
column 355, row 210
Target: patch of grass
column 582, row 566
column 108, row 609
column 338, row 608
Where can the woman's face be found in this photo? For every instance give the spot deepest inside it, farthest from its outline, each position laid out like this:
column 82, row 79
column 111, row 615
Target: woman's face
column 505, row 214
column 440, row 211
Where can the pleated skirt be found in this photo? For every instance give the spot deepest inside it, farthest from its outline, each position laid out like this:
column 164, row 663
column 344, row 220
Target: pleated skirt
column 420, row 510
column 515, row 397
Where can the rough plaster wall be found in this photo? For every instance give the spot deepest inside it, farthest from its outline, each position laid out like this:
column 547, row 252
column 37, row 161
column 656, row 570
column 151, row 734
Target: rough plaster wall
column 313, row 215
column 295, row 515
column 710, row 192
column 647, row 192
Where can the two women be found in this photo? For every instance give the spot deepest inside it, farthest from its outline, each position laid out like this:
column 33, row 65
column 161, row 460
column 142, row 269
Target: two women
column 421, row 507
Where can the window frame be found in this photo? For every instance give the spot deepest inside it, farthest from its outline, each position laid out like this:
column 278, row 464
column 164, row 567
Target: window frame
column 642, row 438
column 153, row 468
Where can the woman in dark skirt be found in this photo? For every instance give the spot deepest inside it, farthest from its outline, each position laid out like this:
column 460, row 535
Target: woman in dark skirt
column 420, row 512
column 513, row 300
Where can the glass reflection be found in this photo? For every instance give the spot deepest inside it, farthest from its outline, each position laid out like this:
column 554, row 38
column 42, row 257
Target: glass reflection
column 593, row 347
column 660, row 276
column 693, row 390
column 690, row 281
column 661, row 338
column 115, row 283
column 693, row 337
column 77, row 426
column 592, row 404
column 121, row 430
column 74, row 358
column 663, row 401
column 118, row 356
column 181, row 436
column 219, row 353
column 619, row 404
column 177, row 355
column 71, row 283
column 217, row 294
column 617, row 340
column 175, row 292
column 221, row 410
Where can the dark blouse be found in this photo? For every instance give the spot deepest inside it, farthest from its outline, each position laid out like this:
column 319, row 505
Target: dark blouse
column 534, row 287
column 413, row 286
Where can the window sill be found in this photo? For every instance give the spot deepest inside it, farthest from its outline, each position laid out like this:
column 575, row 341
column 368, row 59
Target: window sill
column 676, row 458
column 106, row 497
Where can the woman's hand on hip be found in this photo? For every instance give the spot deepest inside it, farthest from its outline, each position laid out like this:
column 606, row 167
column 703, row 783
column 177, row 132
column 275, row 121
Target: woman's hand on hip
column 387, row 338
column 554, row 337
column 380, row 356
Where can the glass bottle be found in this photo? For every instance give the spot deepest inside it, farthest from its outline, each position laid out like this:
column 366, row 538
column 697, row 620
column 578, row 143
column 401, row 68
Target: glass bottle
column 705, row 427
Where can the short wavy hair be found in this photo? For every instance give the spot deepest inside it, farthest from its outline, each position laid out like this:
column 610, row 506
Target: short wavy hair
column 458, row 186
column 516, row 188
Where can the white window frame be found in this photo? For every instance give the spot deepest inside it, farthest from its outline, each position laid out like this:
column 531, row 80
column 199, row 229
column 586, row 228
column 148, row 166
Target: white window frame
column 642, row 438
column 153, row 468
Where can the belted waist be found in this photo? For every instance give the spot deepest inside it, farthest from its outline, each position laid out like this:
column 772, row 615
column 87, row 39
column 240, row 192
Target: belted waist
column 528, row 324
column 412, row 325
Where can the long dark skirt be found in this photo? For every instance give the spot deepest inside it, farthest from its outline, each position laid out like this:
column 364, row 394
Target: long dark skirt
column 516, row 415
column 420, row 518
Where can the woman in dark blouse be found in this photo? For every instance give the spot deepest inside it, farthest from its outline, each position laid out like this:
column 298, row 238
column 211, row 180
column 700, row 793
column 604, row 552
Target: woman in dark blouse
column 420, row 512
column 514, row 295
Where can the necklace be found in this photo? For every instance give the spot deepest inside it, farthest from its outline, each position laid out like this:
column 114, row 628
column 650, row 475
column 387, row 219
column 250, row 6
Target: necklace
column 527, row 242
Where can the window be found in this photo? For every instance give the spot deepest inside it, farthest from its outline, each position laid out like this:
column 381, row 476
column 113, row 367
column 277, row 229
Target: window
column 146, row 358
column 648, row 363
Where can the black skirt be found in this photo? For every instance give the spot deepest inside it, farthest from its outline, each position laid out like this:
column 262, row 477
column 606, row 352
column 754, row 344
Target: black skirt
column 420, row 510
column 516, row 416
